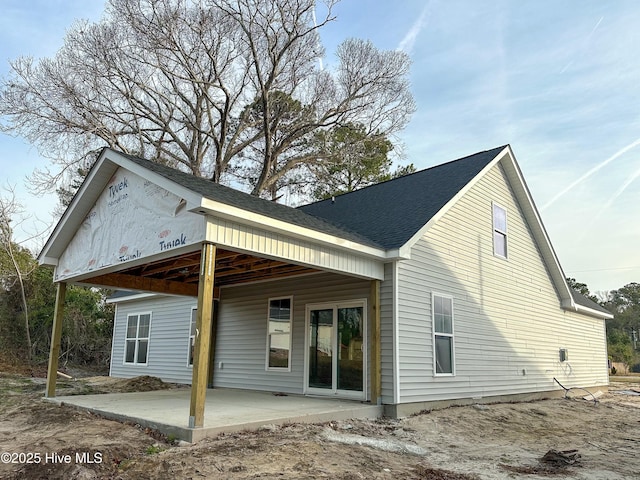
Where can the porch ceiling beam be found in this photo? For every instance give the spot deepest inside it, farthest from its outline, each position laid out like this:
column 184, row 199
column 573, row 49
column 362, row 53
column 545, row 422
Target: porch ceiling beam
column 238, row 262
column 185, row 274
column 224, row 254
column 175, row 265
column 253, row 266
column 251, row 276
column 195, row 256
column 147, row 284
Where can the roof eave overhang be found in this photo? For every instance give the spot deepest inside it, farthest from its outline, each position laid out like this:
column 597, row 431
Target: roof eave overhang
column 230, row 212
column 399, row 253
column 575, row 307
column 134, row 296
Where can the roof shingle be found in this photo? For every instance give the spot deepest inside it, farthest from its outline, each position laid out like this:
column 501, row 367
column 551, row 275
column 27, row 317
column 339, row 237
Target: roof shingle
column 390, row 213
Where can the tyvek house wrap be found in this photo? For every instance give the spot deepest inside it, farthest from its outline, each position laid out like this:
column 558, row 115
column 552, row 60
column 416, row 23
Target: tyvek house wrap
column 132, row 218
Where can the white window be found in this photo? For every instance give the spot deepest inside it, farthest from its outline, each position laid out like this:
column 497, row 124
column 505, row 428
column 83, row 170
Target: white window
column 443, row 335
column 499, row 231
column 279, row 334
column 192, row 335
column 137, row 339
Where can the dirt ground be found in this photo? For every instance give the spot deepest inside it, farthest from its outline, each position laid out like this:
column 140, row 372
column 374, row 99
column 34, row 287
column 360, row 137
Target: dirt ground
column 500, row 441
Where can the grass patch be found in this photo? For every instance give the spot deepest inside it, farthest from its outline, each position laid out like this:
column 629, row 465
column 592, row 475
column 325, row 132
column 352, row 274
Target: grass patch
column 628, row 378
column 153, row 449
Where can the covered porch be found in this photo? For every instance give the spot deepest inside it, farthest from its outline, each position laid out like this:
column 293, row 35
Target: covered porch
column 139, row 226
column 226, row 410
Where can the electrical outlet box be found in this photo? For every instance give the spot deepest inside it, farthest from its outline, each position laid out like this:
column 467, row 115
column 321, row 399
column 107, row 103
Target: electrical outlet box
column 564, row 355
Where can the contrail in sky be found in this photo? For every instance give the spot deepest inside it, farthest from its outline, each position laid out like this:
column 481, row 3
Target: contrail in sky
column 595, row 28
column 315, row 24
column 618, row 192
column 584, row 44
column 409, row 40
column 591, row 172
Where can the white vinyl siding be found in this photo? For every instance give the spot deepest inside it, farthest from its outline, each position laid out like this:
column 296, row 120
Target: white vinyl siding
column 168, row 353
column 242, row 329
column 509, row 325
column 240, row 341
column 291, row 248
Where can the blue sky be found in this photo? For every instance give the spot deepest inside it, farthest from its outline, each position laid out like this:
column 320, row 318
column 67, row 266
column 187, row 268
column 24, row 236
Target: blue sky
column 559, row 81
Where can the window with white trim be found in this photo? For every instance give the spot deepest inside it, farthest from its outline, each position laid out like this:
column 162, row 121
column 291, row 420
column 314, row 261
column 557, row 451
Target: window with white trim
column 279, row 334
column 443, row 335
column 192, row 335
column 137, row 339
column 499, row 231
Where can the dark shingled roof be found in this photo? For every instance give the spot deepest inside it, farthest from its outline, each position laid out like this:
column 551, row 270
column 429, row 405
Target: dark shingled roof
column 390, row 213
column 587, row 302
column 236, row 198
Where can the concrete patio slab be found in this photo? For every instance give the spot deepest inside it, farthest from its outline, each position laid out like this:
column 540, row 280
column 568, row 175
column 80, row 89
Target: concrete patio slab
column 226, row 410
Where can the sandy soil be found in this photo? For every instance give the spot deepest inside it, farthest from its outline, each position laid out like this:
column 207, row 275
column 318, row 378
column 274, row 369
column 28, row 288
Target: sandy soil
column 500, row 441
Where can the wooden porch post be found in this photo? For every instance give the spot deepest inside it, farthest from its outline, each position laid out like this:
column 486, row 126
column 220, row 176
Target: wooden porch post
column 203, row 335
column 376, row 366
column 56, row 334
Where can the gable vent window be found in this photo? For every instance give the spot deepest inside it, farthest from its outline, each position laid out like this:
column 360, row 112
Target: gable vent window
column 499, row 231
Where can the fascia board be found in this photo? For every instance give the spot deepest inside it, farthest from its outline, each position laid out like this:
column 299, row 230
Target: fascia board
column 133, row 297
column 575, row 307
column 76, row 212
column 50, row 261
column 539, row 231
column 398, row 254
column 222, row 210
column 593, row 313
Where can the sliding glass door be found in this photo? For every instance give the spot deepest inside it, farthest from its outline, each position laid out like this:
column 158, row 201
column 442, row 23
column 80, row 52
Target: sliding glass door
column 336, row 346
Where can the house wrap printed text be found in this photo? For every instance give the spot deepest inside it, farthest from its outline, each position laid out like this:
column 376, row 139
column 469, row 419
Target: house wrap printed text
column 132, row 218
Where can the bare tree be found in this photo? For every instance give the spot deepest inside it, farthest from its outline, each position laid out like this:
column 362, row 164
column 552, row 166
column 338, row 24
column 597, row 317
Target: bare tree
column 16, row 263
column 213, row 87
